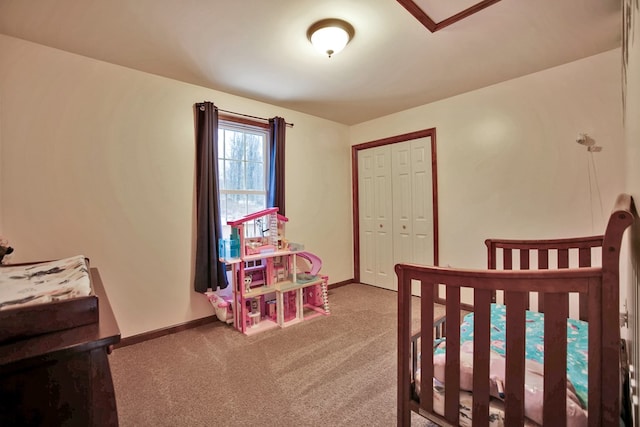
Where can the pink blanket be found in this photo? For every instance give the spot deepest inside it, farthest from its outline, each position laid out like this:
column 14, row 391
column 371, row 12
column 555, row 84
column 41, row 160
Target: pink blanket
column 576, row 415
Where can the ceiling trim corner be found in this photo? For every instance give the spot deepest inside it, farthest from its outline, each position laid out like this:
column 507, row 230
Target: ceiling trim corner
column 433, row 26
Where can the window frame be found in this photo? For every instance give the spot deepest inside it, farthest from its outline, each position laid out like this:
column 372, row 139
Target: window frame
column 240, row 123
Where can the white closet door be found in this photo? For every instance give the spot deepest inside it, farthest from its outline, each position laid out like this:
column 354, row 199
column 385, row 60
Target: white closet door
column 412, row 203
column 366, row 203
column 422, row 237
column 375, row 199
column 396, row 210
column 422, row 202
column 402, row 204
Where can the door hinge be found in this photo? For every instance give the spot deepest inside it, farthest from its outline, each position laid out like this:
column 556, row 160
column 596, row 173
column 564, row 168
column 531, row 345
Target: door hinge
column 624, row 319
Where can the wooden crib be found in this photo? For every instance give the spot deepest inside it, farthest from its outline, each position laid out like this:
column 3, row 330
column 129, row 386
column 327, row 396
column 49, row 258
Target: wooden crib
column 551, row 284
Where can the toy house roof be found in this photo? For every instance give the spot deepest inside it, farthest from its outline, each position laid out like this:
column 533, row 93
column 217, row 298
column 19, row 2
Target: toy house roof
column 256, row 215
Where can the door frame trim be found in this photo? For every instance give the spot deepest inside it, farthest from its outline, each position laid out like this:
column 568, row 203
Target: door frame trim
column 355, row 149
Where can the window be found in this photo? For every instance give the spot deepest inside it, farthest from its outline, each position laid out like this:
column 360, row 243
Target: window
column 242, row 166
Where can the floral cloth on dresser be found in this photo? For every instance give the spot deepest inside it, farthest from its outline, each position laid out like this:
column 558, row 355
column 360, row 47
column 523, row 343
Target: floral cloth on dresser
column 51, row 281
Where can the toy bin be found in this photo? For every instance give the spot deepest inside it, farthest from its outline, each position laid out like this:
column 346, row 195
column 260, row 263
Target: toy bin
column 221, row 306
column 229, row 248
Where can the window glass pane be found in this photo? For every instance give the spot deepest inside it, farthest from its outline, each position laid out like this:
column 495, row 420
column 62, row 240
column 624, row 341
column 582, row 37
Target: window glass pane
column 236, row 206
column 254, row 176
column 223, row 209
column 255, row 148
column 233, row 175
column 233, row 145
column 221, row 183
column 256, row 202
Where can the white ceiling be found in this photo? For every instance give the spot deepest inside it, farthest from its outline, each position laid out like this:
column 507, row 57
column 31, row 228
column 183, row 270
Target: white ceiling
column 258, row 48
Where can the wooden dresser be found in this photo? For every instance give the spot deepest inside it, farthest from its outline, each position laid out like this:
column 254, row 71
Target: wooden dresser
column 62, row 378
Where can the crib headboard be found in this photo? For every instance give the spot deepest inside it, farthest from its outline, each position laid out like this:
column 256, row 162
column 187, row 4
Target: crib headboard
column 562, row 267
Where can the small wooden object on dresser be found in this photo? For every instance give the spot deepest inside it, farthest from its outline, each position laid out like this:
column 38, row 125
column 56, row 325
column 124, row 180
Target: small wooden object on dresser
column 61, row 377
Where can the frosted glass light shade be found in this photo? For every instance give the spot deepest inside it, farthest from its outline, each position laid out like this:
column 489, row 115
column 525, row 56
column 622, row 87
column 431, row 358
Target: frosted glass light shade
column 330, row 36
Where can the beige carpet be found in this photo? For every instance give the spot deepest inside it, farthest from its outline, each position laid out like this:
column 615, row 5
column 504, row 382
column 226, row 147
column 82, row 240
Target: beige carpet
column 338, row 370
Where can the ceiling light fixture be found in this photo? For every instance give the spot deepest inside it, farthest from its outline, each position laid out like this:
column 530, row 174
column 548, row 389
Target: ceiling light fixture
column 331, row 35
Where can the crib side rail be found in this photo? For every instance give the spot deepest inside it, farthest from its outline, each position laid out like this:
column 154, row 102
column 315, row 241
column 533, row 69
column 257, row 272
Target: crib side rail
column 516, row 285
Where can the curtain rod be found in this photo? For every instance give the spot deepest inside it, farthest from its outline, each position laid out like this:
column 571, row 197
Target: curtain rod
column 252, row 117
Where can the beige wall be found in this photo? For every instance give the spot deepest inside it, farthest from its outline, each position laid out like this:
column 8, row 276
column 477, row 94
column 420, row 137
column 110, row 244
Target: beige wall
column 508, row 163
column 98, row 159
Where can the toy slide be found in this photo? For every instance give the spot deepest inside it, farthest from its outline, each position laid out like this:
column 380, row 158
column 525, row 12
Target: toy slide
column 314, row 260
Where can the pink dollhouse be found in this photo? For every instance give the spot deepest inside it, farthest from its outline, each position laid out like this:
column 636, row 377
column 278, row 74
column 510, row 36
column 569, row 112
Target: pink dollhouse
column 269, row 288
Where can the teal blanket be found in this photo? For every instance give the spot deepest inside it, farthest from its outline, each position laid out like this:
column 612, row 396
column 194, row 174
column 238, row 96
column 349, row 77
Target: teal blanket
column 577, row 343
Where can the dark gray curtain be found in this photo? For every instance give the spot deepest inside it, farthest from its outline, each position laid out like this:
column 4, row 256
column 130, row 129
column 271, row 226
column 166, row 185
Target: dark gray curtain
column 209, row 272
column 275, row 193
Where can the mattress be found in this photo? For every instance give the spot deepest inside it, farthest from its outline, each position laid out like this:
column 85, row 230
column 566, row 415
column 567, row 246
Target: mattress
column 577, row 365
